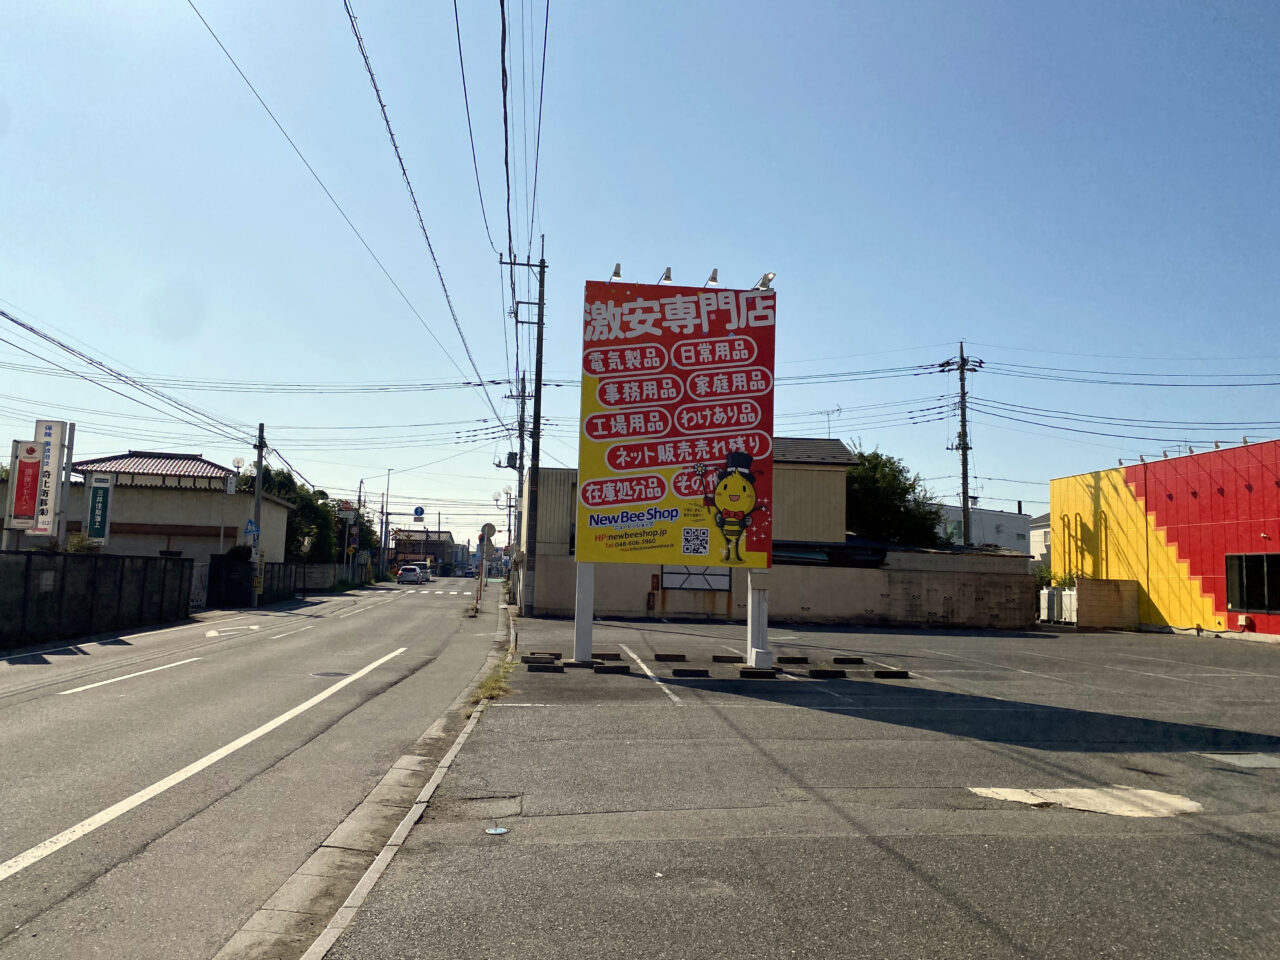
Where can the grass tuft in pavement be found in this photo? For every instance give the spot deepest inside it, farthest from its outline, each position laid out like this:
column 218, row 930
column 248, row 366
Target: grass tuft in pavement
column 494, row 685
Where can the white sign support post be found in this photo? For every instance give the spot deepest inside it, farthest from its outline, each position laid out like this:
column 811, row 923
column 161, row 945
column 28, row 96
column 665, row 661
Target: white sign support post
column 758, row 653
column 584, row 610
column 64, row 479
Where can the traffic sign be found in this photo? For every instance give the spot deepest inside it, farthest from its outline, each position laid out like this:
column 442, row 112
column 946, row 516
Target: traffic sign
column 350, row 551
column 251, row 529
column 418, row 511
column 489, row 530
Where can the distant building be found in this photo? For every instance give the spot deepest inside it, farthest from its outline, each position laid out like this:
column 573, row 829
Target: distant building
column 1040, row 538
column 987, row 528
column 435, row 547
column 1200, row 536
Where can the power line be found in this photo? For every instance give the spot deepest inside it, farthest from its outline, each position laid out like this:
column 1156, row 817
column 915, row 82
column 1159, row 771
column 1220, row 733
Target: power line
column 266, row 386
column 404, row 172
column 506, row 150
column 206, row 421
column 537, row 149
column 1132, row 421
column 168, row 416
column 337, row 206
column 1025, row 372
column 466, row 102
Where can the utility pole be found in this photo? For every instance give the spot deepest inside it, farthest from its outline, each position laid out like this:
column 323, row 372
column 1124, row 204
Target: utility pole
column 963, row 365
column 260, row 446
column 963, row 442
column 386, row 527
column 531, row 541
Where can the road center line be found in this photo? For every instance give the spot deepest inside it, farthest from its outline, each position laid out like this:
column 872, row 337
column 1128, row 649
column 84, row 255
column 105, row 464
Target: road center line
column 127, row 676
column 649, row 673
column 290, row 632
column 53, row 844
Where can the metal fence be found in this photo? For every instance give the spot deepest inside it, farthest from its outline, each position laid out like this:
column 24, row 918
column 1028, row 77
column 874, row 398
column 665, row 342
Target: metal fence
column 59, row 596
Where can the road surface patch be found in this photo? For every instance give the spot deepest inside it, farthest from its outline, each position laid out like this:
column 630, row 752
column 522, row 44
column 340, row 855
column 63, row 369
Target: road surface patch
column 1251, row 760
column 1118, row 801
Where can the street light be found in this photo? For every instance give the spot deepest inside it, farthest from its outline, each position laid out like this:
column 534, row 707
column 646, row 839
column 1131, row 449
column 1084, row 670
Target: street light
column 497, row 502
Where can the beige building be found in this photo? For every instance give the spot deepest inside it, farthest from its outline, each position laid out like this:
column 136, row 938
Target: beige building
column 173, row 504
column 817, row 576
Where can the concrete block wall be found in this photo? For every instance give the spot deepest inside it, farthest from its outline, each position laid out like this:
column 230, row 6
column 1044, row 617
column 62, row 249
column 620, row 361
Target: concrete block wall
column 807, row 595
column 1106, row 604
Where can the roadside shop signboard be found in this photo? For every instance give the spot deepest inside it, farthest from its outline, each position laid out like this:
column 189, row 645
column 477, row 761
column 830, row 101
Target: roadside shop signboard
column 675, row 462
column 98, row 514
column 49, row 438
column 24, row 468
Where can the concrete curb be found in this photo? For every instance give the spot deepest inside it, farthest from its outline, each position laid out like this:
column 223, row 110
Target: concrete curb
column 347, row 912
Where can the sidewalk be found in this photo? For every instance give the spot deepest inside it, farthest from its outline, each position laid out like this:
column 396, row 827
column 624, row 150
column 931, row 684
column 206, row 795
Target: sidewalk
column 806, row 818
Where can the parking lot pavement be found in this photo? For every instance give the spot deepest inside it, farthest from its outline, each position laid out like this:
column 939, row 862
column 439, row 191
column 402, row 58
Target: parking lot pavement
column 657, row 815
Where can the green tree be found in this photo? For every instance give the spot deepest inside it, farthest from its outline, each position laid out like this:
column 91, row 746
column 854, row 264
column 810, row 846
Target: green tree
column 884, row 501
column 311, row 532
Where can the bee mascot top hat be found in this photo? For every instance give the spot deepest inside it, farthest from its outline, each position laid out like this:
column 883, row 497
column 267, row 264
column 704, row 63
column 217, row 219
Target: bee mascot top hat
column 732, row 501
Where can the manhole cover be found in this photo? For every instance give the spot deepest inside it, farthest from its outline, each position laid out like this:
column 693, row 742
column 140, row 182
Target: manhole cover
column 331, row 673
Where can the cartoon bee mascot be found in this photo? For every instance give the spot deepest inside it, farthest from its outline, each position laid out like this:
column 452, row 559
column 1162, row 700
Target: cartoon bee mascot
column 732, row 501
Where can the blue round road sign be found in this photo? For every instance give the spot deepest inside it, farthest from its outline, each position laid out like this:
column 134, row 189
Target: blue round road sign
column 418, row 511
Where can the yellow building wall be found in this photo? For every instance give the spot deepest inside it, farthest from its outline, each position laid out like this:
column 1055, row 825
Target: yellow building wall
column 1102, row 531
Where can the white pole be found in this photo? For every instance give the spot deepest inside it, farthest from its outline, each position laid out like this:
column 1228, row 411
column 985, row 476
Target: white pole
column 584, row 608
column 64, row 481
column 758, row 654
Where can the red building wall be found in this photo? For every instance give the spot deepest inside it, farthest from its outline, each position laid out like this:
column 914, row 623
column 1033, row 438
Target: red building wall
column 1212, row 504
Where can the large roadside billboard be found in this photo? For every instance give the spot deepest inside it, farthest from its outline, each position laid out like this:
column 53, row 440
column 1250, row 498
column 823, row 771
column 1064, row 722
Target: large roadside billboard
column 675, row 461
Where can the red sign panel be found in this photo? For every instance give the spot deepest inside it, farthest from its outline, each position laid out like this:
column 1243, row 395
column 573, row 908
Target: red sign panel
column 676, row 452
column 26, row 483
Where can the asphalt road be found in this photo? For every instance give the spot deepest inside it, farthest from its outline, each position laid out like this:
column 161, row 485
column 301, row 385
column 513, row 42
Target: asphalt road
column 652, row 815
column 160, row 787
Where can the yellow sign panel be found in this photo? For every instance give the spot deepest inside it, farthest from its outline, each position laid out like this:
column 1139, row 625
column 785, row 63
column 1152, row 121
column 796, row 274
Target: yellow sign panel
column 675, row 460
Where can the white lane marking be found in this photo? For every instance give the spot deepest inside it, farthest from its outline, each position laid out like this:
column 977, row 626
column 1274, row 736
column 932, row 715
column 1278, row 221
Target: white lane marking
column 439, row 592
column 343, row 616
column 1107, row 666
column 1116, row 800
column 129, row 676
column 290, row 633
column 218, row 633
column 649, row 673
column 453, row 593
column 55, row 843
column 1230, row 671
column 1002, row 666
column 152, row 633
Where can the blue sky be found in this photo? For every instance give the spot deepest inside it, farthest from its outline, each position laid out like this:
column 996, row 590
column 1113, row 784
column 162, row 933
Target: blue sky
column 1084, row 186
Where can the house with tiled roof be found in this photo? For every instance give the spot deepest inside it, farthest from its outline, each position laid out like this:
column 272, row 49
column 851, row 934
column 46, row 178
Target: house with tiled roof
column 174, row 505
column 144, row 468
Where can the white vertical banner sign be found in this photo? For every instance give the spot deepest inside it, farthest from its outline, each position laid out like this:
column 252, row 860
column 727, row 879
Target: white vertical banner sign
column 49, row 438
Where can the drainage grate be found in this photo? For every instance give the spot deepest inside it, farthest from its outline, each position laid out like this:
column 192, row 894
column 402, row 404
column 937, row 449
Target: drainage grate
column 331, row 673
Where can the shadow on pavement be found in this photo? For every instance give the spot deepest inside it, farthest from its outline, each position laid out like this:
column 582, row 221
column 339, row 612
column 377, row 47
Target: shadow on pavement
column 985, row 718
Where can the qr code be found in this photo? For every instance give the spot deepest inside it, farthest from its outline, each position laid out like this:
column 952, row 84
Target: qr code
column 697, row 540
